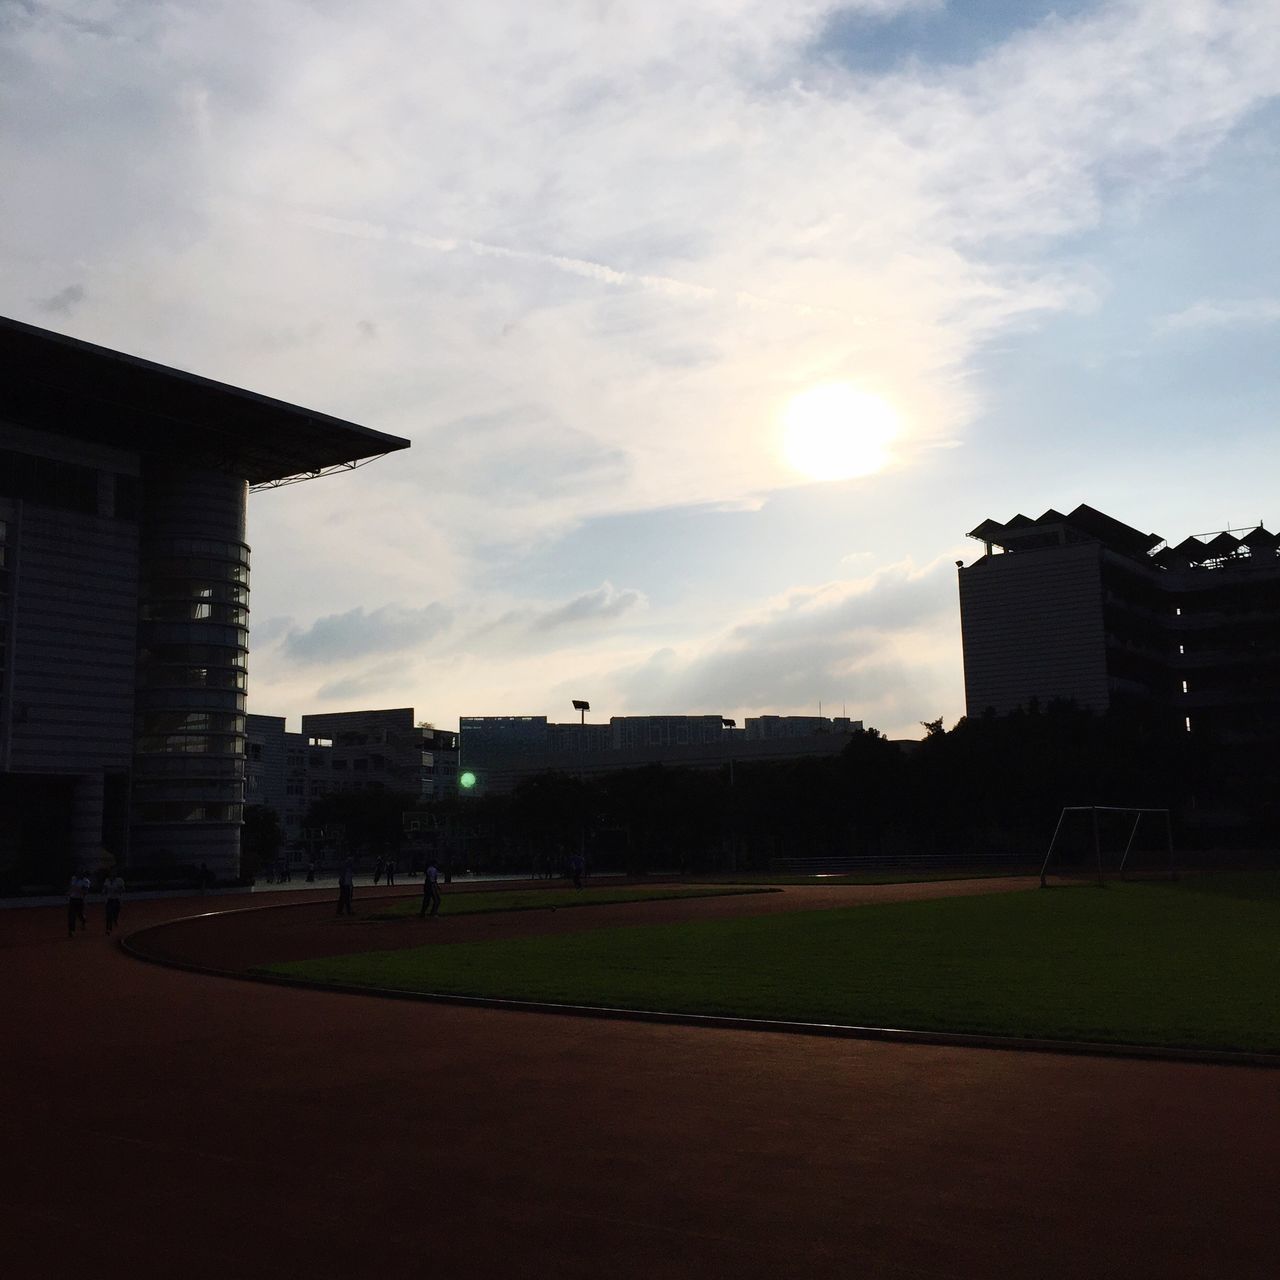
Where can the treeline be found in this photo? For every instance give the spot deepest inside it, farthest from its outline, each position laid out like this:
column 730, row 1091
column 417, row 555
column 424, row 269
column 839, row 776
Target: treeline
column 988, row 788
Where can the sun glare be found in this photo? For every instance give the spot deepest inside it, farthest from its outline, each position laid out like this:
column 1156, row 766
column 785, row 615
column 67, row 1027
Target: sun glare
column 837, row 431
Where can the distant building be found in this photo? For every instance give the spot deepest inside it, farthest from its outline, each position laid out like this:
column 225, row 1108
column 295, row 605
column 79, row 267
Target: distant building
column 649, row 732
column 503, row 750
column 773, row 728
column 1086, row 608
column 124, row 582
column 276, row 772
column 379, row 751
column 338, row 753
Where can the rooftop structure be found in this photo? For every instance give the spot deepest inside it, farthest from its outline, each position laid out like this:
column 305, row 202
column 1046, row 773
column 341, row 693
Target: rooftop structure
column 69, row 387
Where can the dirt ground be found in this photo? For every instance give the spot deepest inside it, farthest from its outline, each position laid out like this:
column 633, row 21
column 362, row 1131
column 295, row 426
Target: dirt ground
column 164, row 1123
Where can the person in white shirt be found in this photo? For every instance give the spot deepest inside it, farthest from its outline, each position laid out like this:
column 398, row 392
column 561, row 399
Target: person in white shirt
column 114, row 889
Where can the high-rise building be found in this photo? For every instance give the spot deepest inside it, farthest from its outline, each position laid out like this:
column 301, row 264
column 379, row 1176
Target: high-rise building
column 1085, row 608
column 124, row 601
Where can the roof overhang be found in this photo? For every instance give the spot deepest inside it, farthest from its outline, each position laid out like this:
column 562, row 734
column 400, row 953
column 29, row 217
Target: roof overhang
column 60, row 384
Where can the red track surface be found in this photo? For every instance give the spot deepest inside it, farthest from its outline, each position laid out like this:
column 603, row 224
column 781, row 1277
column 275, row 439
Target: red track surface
column 160, row 1123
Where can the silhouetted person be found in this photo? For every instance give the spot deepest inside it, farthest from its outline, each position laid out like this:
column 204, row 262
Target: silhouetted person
column 377, row 869
column 391, row 872
column 577, row 864
column 430, row 891
column 76, row 891
column 346, row 889
column 114, row 889
column 311, row 871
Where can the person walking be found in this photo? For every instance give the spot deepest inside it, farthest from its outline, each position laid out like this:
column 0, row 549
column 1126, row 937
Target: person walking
column 577, row 864
column 391, row 873
column 346, row 888
column 76, row 891
column 430, row 891
column 377, row 869
column 114, row 889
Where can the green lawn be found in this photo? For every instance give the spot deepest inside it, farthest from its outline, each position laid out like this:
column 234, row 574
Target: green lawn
column 472, row 903
column 1190, row 963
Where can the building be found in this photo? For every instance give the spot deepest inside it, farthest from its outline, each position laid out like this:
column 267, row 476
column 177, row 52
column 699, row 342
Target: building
column 503, row 750
column 124, row 602
column 338, row 753
column 1083, row 607
column 276, row 772
column 379, row 751
column 774, row 728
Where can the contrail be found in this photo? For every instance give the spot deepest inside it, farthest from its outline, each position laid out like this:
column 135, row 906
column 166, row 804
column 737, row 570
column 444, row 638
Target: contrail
column 573, row 266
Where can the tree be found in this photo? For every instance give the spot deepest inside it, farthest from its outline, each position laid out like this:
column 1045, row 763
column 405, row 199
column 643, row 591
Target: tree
column 373, row 821
column 261, row 839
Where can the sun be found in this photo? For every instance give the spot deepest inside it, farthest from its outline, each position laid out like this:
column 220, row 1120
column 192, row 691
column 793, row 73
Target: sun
column 837, row 431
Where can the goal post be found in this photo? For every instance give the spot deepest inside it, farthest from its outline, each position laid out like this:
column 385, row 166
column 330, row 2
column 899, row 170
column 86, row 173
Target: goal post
column 1097, row 860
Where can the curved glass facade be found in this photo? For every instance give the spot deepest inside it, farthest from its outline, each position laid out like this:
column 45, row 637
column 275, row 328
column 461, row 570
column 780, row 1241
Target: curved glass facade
column 193, row 617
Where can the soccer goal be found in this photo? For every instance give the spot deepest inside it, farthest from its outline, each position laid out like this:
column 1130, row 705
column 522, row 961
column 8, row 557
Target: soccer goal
column 1094, row 840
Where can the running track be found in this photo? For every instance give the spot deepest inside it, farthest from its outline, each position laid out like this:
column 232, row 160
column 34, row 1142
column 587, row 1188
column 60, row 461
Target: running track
column 161, row 1123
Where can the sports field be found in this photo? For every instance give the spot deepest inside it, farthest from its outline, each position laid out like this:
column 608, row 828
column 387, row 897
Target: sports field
column 1182, row 964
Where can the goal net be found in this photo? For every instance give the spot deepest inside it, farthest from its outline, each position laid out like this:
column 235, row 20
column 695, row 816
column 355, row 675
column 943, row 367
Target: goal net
column 1093, row 843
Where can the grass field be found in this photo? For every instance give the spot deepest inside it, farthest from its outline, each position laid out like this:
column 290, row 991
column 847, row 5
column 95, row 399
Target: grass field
column 1189, row 964
column 467, row 904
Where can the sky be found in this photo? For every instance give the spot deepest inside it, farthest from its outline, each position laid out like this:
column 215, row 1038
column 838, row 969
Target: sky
column 609, row 266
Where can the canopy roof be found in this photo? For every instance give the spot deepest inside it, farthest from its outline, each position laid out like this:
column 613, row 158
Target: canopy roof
column 60, row 384
column 1052, row 528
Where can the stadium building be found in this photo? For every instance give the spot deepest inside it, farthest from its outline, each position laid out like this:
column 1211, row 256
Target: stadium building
column 124, row 602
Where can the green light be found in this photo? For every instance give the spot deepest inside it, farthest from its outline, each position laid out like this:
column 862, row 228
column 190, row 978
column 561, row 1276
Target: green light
column 466, row 780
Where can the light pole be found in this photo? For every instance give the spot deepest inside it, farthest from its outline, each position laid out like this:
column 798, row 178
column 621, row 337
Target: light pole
column 730, row 726
column 582, row 707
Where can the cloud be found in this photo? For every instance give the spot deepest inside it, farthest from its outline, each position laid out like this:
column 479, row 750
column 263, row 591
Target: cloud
column 64, row 302
column 638, row 228
column 1223, row 314
column 877, row 644
column 583, row 264
column 602, row 604
column 343, row 636
column 387, row 675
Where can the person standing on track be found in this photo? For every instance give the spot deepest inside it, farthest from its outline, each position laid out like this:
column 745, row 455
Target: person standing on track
column 430, row 891
column 76, row 891
column 391, row 872
column 114, row 889
column 346, row 888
